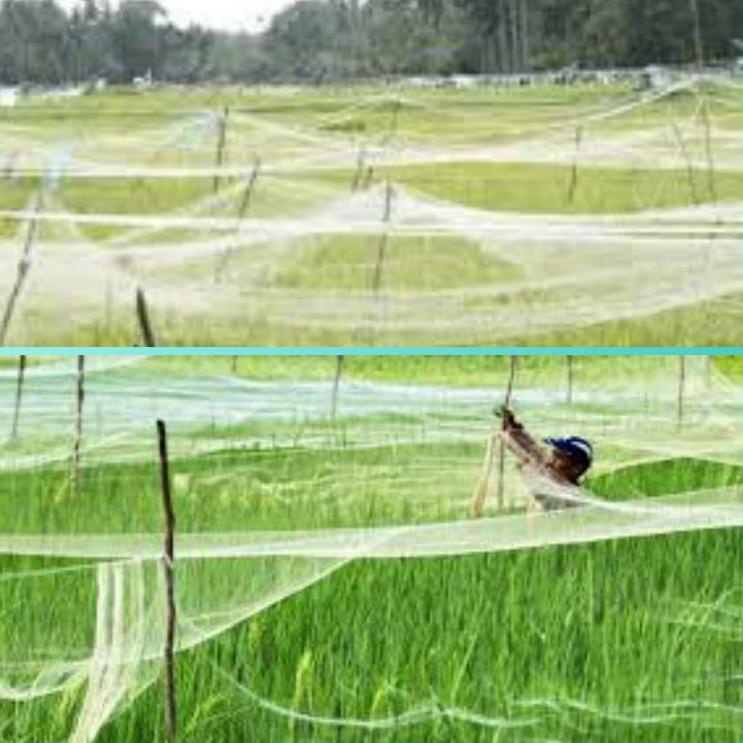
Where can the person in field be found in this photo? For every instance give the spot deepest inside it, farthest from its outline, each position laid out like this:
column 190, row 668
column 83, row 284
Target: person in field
column 562, row 463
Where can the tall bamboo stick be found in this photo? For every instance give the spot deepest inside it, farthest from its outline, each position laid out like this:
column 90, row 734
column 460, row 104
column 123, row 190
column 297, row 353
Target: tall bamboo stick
column 168, row 565
column 143, row 315
column 24, row 266
column 501, row 449
column 221, row 141
column 18, row 396
column 336, row 384
column 78, row 443
column 569, row 395
column 681, row 390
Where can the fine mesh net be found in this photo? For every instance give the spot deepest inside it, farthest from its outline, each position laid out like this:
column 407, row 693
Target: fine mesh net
column 379, row 471
column 384, row 239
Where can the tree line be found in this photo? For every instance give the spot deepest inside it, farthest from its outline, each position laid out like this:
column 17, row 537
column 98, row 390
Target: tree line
column 325, row 40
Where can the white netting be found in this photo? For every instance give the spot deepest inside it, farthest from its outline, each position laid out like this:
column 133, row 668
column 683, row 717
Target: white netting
column 105, row 589
column 295, row 257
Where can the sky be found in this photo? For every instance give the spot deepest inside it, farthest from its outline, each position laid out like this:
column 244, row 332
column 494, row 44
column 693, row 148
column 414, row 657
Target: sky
column 231, row 15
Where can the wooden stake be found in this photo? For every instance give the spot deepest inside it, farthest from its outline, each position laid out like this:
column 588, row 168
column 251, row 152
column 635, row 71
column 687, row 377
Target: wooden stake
column 144, row 320
column 689, row 165
column 484, row 483
column 574, row 173
column 569, row 398
column 24, row 265
column 221, row 140
column 502, row 448
column 248, row 192
column 379, row 267
column 168, row 565
column 336, row 384
column 389, row 194
column 682, row 382
column 78, row 443
column 221, row 264
column 18, row 395
column 359, row 174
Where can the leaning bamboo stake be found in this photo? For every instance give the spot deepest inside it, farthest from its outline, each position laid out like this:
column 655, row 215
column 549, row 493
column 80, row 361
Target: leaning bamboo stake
column 248, row 192
column 502, row 447
column 221, row 141
column 569, row 394
column 18, row 396
column 681, row 390
column 379, row 267
column 368, row 178
column 483, row 486
column 574, row 172
column 24, row 265
column 78, row 443
column 143, row 316
column 336, row 384
column 169, row 570
column 389, row 194
column 384, row 239
column 484, row 481
column 242, row 209
column 359, row 172
column 689, row 165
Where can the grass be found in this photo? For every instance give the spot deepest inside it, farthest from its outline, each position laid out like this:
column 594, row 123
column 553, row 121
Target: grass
column 350, row 262
column 603, row 640
column 634, row 639
column 534, row 188
column 301, row 290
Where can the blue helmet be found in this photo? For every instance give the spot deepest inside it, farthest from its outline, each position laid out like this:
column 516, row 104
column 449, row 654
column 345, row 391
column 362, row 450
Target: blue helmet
column 575, row 447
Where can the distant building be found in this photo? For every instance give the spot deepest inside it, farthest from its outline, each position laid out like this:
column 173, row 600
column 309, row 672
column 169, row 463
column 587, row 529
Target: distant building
column 8, row 97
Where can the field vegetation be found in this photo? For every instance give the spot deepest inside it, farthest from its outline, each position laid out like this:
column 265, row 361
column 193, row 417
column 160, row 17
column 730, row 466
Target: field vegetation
column 378, row 215
column 623, row 639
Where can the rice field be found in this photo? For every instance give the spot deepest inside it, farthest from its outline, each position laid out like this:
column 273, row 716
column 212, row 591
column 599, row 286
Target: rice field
column 376, row 216
column 330, row 584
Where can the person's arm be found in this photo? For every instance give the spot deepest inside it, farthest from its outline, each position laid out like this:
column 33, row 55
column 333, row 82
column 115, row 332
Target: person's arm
column 527, row 450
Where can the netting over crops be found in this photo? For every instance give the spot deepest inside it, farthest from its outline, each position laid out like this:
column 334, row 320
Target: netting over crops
column 93, row 618
column 306, row 233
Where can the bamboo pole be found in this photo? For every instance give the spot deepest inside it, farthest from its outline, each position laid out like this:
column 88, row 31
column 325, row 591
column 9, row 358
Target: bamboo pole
column 336, row 384
column 242, row 209
column 78, row 443
column 18, row 396
column 681, row 390
column 359, row 173
column 168, row 565
column 484, row 482
column 687, row 160
column 24, row 265
column 572, row 186
column 143, row 316
column 383, row 240
column 502, row 448
column 221, row 141
column 248, row 192
column 389, row 194
column 379, row 266
column 569, row 360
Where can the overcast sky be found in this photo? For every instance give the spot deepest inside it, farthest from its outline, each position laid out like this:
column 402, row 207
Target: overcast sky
column 250, row 15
